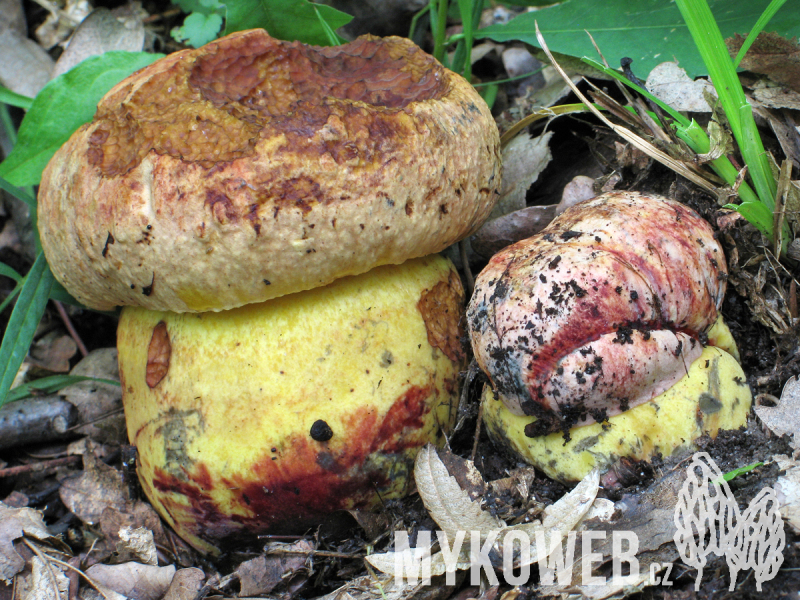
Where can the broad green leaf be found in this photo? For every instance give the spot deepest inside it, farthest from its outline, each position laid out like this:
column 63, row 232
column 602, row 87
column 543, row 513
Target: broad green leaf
column 63, row 105
column 198, row 29
column 50, row 385
column 285, row 19
column 648, row 31
column 14, row 99
column 23, row 322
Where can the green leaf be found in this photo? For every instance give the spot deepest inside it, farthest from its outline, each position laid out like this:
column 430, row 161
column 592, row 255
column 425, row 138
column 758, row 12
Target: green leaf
column 7, row 271
column 333, row 38
column 757, row 214
column 63, row 105
column 50, row 385
column 14, row 99
column 198, row 29
column 765, row 18
column 23, row 195
column 285, row 19
column 648, row 31
column 736, row 472
column 24, row 319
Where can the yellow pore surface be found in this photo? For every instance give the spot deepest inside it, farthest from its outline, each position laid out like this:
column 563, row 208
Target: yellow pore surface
column 224, row 438
column 713, row 395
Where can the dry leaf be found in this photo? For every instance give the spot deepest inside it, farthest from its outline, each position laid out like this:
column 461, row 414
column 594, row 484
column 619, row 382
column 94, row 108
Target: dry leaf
column 262, row 574
column 185, row 584
column 385, row 587
column 134, row 580
column 448, row 504
column 98, row 404
column 784, row 419
column 524, row 158
column 14, row 522
column 559, row 518
column 103, row 31
column 26, row 67
column 770, row 55
column 788, row 491
column 137, row 545
column 97, row 488
column 508, row 229
column 669, row 83
column 579, row 188
column 52, row 352
column 47, row 582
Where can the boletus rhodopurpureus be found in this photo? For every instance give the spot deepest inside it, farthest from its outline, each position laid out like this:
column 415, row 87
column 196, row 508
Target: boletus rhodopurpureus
column 252, row 198
column 592, row 334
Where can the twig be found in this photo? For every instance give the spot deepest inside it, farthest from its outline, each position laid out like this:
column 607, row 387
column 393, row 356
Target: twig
column 91, row 581
column 477, row 432
column 325, row 553
column 47, row 565
column 70, row 328
column 462, row 247
column 39, row 466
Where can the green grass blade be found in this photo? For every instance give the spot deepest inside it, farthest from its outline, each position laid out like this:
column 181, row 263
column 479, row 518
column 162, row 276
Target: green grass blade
column 8, row 124
column 23, row 195
column 9, row 298
column 765, row 18
column 50, row 385
column 755, row 157
column 679, row 118
column 7, row 271
column 24, row 319
column 14, row 99
column 708, row 39
column 757, row 214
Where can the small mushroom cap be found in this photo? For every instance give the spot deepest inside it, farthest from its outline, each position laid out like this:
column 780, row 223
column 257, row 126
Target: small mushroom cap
column 252, row 168
column 601, row 311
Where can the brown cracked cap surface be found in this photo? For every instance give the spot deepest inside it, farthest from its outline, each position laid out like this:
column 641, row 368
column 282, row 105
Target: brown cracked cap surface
column 251, row 168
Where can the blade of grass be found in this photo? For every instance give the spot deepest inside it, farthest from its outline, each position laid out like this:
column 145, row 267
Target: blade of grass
column 7, row 271
column 24, row 319
column 8, row 124
column 765, row 18
column 50, row 385
column 415, row 19
column 439, row 27
column 9, row 298
column 708, row 39
column 23, row 195
column 688, row 131
column 14, row 99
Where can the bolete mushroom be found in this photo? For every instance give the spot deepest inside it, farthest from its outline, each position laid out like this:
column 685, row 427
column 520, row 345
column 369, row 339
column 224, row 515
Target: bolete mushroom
column 252, row 168
column 250, row 199
column 592, row 335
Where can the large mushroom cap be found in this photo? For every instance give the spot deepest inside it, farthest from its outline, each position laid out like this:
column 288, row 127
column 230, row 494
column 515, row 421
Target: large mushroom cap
column 252, row 168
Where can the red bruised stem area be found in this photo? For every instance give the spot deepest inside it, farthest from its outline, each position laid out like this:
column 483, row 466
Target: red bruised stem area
column 291, row 488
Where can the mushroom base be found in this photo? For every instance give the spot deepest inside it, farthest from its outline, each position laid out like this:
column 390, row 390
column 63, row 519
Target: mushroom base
column 713, row 396
column 266, row 418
